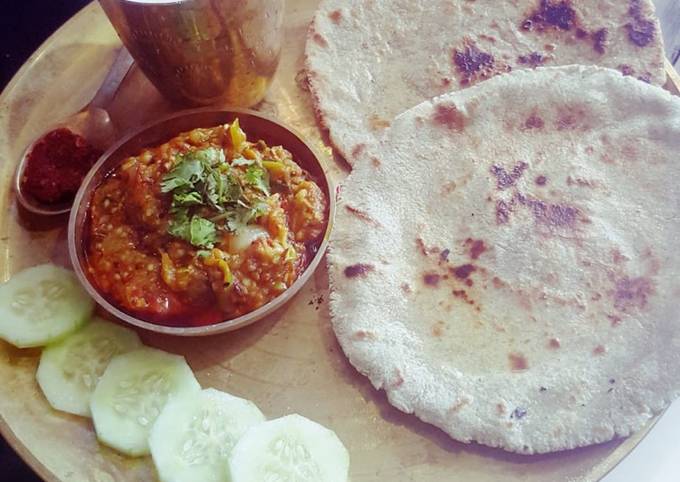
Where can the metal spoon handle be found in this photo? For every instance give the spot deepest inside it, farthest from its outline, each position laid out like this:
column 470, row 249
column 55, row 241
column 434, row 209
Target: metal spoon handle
column 117, row 73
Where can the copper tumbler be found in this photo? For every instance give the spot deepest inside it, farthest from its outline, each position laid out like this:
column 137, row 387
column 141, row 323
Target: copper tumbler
column 200, row 52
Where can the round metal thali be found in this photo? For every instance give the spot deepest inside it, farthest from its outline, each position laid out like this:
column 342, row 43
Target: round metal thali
column 289, row 362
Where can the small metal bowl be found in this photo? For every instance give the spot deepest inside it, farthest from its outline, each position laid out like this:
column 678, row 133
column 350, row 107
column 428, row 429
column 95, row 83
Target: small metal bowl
column 256, row 126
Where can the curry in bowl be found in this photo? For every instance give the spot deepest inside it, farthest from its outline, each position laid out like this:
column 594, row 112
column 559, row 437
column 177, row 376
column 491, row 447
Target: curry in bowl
column 206, row 227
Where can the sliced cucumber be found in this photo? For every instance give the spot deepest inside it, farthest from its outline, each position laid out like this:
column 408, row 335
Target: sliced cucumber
column 41, row 305
column 131, row 394
column 291, row 448
column 195, row 433
column 70, row 369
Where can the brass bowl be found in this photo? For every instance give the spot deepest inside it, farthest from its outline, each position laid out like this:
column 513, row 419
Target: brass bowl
column 256, row 126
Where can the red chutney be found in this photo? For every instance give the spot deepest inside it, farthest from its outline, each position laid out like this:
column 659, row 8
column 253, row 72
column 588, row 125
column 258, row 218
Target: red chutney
column 57, row 165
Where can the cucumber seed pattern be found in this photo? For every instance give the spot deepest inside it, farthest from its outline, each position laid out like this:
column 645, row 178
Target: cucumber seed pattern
column 87, row 359
column 50, row 292
column 292, row 462
column 142, row 397
column 210, row 438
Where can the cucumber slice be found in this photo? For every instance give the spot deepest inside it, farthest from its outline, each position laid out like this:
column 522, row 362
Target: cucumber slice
column 41, row 305
column 131, row 394
column 194, row 435
column 289, row 448
column 70, row 369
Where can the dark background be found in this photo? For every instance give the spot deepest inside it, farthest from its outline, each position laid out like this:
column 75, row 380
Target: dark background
column 24, row 25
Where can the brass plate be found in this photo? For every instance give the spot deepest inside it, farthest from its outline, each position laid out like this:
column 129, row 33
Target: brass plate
column 289, row 362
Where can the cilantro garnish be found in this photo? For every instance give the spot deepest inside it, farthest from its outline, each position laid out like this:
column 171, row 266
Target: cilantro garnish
column 202, row 181
column 258, row 177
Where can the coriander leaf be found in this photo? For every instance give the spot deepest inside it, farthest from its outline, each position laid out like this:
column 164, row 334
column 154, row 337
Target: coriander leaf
column 202, row 232
column 233, row 191
column 210, row 156
column 184, row 175
column 213, row 189
column 179, row 223
column 258, row 178
column 239, row 217
column 242, row 161
column 203, row 253
column 190, row 198
column 222, row 189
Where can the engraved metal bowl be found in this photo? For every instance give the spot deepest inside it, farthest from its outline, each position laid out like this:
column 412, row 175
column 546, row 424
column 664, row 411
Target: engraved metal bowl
column 256, row 126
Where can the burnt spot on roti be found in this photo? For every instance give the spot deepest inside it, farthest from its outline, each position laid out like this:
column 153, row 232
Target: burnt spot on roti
column 618, row 257
column 476, row 247
column 335, row 16
column 498, row 283
column 534, row 122
column 541, row 180
column 397, row 381
column 599, row 350
column 378, row 123
column 518, row 413
column 364, row 216
column 363, row 335
column 600, row 40
column 432, row 279
column 358, row 270
column 448, row 115
column 357, row 150
column 462, row 295
column 646, row 77
column 448, row 188
column 559, row 15
column 641, row 30
column 406, row 288
column 487, row 38
column 626, row 69
column 572, row 117
column 319, row 39
column 438, row 329
column 554, row 343
column 553, row 214
column 632, row 293
column 302, row 80
column 444, row 255
column 464, row 271
column 580, row 33
column 534, row 59
column 473, row 63
column 505, row 179
column 581, row 182
column 549, row 214
column 424, row 249
column 518, row 362
column 503, row 210
column 641, row 33
column 614, row 320
column 456, row 407
column 376, row 162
